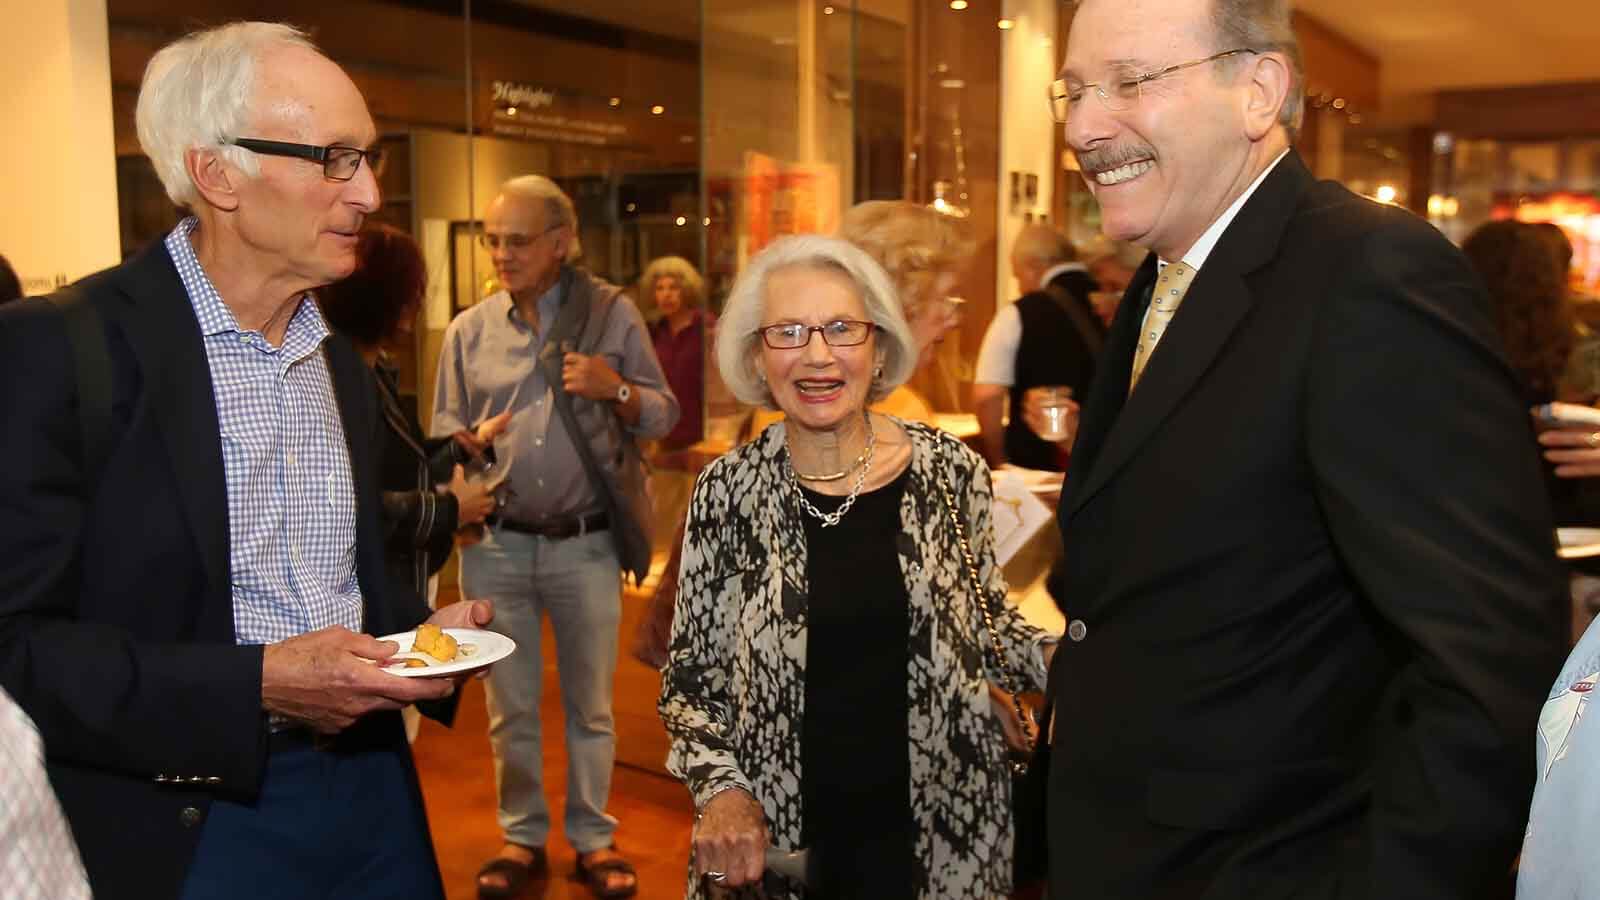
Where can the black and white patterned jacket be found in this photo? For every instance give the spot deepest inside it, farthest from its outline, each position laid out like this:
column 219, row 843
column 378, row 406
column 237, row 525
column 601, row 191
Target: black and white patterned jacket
column 733, row 692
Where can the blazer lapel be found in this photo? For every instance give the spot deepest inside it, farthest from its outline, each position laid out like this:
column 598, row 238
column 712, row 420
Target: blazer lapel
column 1217, row 301
column 165, row 336
column 1110, row 388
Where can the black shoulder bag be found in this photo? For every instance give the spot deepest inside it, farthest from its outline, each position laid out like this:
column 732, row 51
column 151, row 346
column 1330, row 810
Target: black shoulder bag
column 626, row 500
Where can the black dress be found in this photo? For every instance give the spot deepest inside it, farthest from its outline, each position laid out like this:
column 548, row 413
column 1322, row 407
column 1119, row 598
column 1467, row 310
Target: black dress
column 855, row 746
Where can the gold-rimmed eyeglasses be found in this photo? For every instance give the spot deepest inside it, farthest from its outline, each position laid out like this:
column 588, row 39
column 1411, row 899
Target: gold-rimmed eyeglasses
column 1118, row 94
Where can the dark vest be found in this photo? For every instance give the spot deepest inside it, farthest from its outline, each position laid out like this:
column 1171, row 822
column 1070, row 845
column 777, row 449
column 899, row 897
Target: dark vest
column 1058, row 347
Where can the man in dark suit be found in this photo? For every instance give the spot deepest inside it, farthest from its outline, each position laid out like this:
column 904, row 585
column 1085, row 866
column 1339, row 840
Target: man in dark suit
column 1048, row 337
column 1313, row 605
column 190, row 624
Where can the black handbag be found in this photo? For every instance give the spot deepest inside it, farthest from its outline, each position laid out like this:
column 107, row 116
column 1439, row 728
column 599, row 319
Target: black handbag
column 1029, row 769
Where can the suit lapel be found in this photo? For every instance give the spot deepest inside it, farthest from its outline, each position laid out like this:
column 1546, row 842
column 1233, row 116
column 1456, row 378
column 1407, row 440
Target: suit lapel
column 1217, row 301
column 165, row 336
column 1110, row 386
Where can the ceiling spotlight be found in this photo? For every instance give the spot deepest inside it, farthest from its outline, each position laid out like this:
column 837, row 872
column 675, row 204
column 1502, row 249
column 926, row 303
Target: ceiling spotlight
column 827, row 10
column 958, row 4
column 657, row 110
column 1005, row 24
column 511, row 110
column 616, row 102
column 682, row 220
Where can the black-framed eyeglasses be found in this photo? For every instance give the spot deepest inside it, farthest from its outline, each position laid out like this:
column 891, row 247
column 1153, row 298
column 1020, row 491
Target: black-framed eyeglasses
column 511, row 240
column 1120, row 94
column 838, row 333
column 338, row 161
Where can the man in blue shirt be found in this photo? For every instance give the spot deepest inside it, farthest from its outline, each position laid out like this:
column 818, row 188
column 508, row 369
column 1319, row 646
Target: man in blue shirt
column 191, row 624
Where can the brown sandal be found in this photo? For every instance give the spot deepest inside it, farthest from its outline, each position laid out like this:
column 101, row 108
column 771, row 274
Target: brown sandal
column 517, row 874
column 596, row 874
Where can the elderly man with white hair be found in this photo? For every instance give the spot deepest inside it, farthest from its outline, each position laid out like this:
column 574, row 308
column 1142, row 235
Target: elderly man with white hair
column 194, row 564
column 568, row 356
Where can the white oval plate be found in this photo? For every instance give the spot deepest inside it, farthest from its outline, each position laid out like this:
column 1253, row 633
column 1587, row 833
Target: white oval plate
column 1578, row 543
column 490, row 647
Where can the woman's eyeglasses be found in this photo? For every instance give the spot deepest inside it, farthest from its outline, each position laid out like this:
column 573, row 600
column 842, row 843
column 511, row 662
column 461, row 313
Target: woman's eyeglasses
column 838, row 333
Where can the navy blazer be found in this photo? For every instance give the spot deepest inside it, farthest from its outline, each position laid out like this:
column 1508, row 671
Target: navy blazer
column 1315, row 605
column 116, row 614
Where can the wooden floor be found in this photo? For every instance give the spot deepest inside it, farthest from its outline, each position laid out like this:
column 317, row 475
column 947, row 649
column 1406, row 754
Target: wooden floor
column 457, row 771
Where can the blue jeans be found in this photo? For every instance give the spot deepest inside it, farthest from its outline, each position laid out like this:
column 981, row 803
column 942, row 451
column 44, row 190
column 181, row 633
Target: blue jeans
column 343, row 823
column 578, row 584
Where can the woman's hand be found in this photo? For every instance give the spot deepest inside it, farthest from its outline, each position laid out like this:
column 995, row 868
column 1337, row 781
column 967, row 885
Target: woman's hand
column 1575, row 452
column 1006, row 712
column 474, row 500
column 731, row 839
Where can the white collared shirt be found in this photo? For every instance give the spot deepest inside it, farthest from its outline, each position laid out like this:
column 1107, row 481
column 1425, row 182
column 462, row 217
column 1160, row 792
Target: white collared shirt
column 1196, row 257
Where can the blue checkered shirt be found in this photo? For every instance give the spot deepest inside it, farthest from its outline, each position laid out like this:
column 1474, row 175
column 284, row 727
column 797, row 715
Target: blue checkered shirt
column 291, row 495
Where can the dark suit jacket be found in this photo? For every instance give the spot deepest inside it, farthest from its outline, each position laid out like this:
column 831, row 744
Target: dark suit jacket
column 116, row 615
column 1312, row 561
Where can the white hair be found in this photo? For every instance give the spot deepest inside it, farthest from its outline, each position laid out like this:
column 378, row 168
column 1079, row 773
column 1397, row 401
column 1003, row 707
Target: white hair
column 738, row 339
column 558, row 209
column 198, row 92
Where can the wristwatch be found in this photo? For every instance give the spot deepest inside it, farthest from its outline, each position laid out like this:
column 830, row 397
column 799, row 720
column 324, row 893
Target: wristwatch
column 624, row 392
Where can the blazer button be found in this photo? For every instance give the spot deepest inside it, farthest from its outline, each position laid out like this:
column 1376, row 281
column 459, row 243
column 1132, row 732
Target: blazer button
column 190, row 817
column 1077, row 630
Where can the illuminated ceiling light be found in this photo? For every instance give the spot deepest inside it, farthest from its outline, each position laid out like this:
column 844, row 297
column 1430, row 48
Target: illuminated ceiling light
column 1338, row 103
column 682, row 221
column 827, row 10
column 511, row 110
column 632, row 207
column 958, row 4
column 1386, row 193
column 657, row 110
column 1005, row 24
column 616, row 102
column 708, row 221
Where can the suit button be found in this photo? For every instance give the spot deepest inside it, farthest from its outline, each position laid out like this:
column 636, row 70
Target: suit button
column 1077, row 630
column 190, row 817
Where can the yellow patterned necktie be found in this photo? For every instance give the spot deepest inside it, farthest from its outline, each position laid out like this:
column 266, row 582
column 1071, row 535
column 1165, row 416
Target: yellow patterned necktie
column 1170, row 287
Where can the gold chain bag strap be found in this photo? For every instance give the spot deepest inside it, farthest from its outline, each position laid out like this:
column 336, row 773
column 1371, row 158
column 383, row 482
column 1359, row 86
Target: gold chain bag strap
column 1024, row 720
column 1030, row 848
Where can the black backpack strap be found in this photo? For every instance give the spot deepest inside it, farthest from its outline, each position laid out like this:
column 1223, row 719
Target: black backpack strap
column 91, row 363
column 1093, row 337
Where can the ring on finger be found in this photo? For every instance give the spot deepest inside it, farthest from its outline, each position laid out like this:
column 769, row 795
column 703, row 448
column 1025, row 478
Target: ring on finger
column 718, row 877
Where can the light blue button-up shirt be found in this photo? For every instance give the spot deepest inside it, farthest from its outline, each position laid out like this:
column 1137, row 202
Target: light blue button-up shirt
column 291, row 494
column 1559, row 858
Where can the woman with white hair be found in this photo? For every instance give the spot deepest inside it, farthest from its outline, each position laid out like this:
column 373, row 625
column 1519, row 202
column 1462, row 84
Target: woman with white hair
column 825, row 686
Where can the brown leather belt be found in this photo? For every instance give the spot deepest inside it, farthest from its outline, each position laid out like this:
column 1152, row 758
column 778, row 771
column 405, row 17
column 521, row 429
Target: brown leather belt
column 556, row 527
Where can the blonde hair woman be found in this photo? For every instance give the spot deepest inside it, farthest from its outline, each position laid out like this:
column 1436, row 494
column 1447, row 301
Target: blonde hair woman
column 676, row 290
column 924, row 251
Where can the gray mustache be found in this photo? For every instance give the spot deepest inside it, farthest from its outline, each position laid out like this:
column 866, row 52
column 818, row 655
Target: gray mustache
column 1103, row 159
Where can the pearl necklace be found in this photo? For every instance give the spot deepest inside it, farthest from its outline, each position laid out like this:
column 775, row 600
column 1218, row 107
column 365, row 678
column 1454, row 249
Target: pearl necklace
column 864, row 460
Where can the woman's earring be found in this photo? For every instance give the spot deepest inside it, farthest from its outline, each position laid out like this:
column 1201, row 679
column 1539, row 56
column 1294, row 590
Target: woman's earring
column 877, row 374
